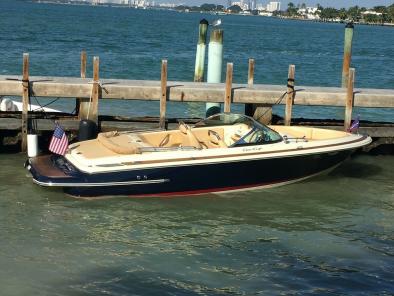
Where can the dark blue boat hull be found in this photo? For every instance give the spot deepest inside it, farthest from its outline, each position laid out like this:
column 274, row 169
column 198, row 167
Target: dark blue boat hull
column 188, row 179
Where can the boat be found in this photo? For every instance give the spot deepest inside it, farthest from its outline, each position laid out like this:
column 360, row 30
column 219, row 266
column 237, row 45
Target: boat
column 7, row 104
column 224, row 152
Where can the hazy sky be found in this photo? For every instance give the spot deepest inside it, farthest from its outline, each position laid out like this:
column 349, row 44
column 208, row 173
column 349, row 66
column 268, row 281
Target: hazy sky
column 324, row 3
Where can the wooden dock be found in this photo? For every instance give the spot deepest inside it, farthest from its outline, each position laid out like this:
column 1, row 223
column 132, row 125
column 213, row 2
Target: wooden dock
column 90, row 91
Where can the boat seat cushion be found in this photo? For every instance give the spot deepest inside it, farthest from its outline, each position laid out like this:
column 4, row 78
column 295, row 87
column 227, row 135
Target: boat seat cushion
column 121, row 143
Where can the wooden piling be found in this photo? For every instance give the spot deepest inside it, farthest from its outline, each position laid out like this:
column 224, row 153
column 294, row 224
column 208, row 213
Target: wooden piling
column 25, row 101
column 250, row 108
column 80, row 101
column 200, row 52
column 290, row 94
column 349, row 99
column 260, row 112
column 229, row 85
column 251, row 73
column 347, row 53
column 163, row 98
column 83, row 64
column 96, row 92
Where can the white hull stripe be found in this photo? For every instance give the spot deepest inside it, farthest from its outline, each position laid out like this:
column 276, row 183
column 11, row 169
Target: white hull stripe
column 238, row 157
column 52, row 184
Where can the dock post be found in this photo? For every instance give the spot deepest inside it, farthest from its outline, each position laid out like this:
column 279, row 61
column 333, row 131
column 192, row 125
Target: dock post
column 200, row 52
column 349, row 99
column 260, row 112
column 215, row 61
column 229, row 86
column 163, row 98
column 290, row 95
column 25, row 101
column 347, row 53
column 251, row 73
column 96, row 92
column 79, row 101
column 249, row 108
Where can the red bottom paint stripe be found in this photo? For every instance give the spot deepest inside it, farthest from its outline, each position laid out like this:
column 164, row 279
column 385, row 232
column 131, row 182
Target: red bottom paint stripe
column 203, row 191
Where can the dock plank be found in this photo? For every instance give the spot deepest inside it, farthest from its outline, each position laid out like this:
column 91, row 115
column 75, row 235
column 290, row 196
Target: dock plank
column 69, row 87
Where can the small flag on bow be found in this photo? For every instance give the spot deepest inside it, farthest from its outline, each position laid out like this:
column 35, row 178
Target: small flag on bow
column 59, row 141
column 355, row 125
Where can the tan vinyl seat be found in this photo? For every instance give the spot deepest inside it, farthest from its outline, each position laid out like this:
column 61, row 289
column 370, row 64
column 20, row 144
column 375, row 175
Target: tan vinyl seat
column 192, row 139
column 121, row 143
column 216, row 139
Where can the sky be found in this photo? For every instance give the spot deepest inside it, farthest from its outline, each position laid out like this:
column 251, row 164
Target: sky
column 324, row 3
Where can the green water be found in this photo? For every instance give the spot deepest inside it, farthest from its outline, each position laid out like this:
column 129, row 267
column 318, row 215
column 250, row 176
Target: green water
column 332, row 235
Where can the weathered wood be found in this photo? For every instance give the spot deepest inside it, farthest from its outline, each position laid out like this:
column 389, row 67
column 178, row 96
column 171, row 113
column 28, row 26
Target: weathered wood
column 67, row 87
column 250, row 108
column 83, row 64
column 96, row 91
column 228, row 91
column 349, row 99
column 14, row 124
column 200, row 52
column 82, row 103
column 251, row 72
column 163, row 98
column 25, row 101
column 383, row 131
column 40, row 124
column 262, row 113
column 377, row 143
column 290, row 95
column 347, row 53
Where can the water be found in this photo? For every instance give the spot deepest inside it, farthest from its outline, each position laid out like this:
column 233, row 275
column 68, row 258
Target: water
column 131, row 44
column 330, row 235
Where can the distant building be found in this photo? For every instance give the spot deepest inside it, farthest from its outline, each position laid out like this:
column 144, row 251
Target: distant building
column 242, row 4
column 253, row 5
column 265, row 13
column 371, row 12
column 168, row 5
column 309, row 13
column 273, row 6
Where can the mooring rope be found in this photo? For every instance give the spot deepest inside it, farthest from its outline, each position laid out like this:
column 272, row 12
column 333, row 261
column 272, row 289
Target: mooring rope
column 278, row 101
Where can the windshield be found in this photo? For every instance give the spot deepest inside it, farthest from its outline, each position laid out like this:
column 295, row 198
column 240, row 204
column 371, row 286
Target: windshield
column 247, row 130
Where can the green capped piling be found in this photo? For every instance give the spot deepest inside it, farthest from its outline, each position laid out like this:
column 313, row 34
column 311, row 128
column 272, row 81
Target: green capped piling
column 200, row 52
column 347, row 53
column 215, row 62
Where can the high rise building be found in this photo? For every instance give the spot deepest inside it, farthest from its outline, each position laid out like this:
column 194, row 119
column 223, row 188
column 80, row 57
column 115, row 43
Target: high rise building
column 253, row 5
column 273, row 6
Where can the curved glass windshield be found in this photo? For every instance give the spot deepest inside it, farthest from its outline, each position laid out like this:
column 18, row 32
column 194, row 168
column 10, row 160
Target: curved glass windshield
column 246, row 131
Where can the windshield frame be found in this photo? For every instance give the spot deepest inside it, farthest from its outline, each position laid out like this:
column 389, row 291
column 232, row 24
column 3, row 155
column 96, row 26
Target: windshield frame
column 259, row 134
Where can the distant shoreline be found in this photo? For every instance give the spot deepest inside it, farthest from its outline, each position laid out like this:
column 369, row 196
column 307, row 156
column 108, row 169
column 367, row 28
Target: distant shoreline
column 218, row 13
column 336, row 22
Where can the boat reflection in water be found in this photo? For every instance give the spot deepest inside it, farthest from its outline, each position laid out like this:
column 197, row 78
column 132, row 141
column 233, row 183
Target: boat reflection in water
column 225, row 152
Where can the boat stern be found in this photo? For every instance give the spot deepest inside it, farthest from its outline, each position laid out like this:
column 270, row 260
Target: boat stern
column 51, row 170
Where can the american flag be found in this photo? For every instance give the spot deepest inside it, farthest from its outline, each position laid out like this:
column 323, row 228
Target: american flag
column 354, row 126
column 59, row 141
